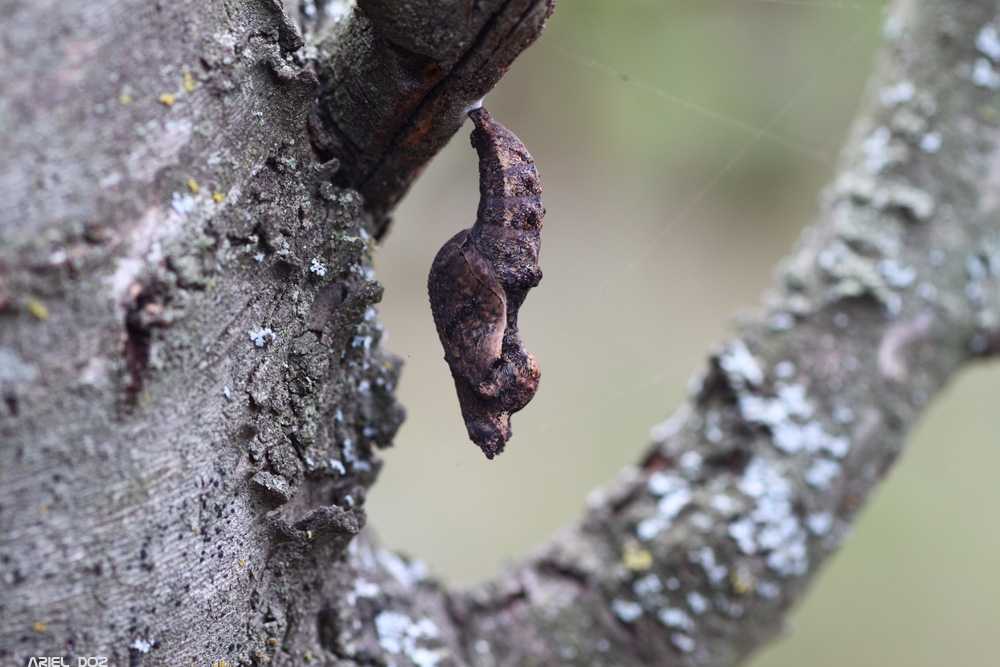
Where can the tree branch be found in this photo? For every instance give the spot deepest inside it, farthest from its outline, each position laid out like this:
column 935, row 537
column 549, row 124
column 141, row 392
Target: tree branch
column 394, row 81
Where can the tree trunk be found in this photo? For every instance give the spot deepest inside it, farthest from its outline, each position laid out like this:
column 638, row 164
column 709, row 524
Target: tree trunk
column 194, row 391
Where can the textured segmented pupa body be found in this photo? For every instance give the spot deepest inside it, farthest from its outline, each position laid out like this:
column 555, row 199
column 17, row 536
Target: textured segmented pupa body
column 479, row 280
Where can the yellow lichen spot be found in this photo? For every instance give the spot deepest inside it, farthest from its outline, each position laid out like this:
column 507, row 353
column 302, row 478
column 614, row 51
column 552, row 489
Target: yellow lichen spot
column 193, row 186
column 259, row 654
column 308, row 655
column 240, row 656
column 742, row 582
column 218, row 196
column 41, row 627
column 272, row 642
column 124, row 98
column 636, row 558
column 196, row 529
column 222, row 663
column 241, row 562
column 167, row 99
column 38, row 309
column 309, row 534
column 43, row 510
column 189, row 83
column 267, row 661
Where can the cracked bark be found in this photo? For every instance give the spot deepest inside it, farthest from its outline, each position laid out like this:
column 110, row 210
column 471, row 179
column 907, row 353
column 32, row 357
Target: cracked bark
column 194, row 391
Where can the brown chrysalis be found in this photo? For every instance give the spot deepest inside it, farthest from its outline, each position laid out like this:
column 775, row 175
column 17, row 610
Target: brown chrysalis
column 479, row 280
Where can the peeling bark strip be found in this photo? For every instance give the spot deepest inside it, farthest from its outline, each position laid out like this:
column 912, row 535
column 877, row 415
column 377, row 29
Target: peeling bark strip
column 479, row 280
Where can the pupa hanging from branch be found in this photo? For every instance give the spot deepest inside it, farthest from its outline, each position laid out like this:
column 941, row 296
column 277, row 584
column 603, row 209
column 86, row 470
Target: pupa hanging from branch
column 479, row 280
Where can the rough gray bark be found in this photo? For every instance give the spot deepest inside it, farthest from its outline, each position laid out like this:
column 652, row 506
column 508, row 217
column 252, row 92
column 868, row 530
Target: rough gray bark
column 193, row 389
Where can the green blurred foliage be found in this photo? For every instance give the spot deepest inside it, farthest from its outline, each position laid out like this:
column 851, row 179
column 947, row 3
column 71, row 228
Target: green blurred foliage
column 662, row 223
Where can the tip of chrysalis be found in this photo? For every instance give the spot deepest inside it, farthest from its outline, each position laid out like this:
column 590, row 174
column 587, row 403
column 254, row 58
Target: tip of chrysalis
column 491, row 449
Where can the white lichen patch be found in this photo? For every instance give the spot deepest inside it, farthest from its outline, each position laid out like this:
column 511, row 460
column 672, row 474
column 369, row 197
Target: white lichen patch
column 647, row 586
column 362, row 589
column 853, row 275
column 727, row 606
column 715, row 571
column 627, row 611
column 398, row 634
column 338, row 10
column 822, row 473
column 896, row 275
column 977, row 269
column 883, row 196
column 772, row 526
column 843, row 415
column 907, row 122
column 781, row 321
column 983, row 74
column 317, row 267
column 670, row 427
column 768, row 589
column 895, row 25
column 662, row 484
column 182, row 204
column 713, row 427
column 682, row 642
column 897, row 94
column 697, row 603
column 988, row 42
column 14, row 369
column 819, row 523
column 788, row 416
column 142, row 645
column 672, row 617
column 876, row 150
column 675, row 494
column 409, row 574
column 789, row 402
column 260, row 336
column 927, row 291
column 723, row 504
column 930, row 142
column 784, row 370
column 690, row 461
column 739, row 365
